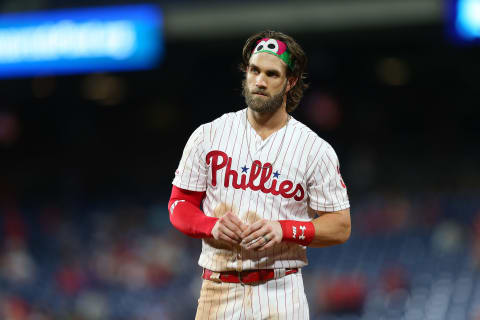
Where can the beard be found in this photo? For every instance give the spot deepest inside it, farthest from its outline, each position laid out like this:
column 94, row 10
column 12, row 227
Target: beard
column 267, row 104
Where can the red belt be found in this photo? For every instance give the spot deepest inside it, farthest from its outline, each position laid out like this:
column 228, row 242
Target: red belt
column 249, row 276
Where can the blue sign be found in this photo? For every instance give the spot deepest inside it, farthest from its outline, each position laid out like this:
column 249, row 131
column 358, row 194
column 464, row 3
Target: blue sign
column 80, row 40
column 464, row 20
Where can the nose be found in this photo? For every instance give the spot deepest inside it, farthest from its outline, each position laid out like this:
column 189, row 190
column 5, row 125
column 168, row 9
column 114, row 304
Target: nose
column 260, row 81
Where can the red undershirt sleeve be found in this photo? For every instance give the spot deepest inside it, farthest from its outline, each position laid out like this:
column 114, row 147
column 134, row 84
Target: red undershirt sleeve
column 186, row 215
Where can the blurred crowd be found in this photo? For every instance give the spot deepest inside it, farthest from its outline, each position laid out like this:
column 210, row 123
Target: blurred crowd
column 122, row 260
column 112, row 262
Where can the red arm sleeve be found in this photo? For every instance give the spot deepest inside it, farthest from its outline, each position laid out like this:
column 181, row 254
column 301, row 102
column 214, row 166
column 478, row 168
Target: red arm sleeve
column 186, row 216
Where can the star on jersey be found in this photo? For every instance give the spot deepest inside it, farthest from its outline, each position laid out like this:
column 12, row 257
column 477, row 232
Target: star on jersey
column 276, row 174
column 244, row 169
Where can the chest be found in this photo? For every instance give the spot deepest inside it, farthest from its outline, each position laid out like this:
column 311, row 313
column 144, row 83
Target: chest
column 275, row 166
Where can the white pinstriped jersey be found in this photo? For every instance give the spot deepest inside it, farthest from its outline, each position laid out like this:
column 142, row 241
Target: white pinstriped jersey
column 292, row 169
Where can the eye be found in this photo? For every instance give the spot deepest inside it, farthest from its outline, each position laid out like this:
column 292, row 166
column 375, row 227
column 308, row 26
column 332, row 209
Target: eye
column 272, row 74
column 272, row 45
column 260, row 46
column 253, row 70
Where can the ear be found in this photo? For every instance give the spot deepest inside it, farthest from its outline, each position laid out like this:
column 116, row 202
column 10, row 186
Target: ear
column 292, row 81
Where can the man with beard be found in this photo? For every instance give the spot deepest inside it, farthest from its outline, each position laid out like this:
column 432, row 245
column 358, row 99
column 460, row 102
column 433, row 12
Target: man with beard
column 258, row 187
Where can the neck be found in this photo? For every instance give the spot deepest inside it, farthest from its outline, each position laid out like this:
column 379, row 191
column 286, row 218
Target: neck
column 267, row 123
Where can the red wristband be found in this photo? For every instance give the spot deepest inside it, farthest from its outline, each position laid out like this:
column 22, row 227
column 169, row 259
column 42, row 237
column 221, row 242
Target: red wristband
column 301, row 232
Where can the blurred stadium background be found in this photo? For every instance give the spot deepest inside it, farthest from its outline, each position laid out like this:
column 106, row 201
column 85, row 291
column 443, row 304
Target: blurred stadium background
column 87, row 159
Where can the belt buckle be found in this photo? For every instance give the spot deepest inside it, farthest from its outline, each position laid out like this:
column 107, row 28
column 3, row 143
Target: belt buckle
column 215, row 277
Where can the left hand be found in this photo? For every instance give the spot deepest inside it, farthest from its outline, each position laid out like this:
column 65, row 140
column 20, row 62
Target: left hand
column 262, row 235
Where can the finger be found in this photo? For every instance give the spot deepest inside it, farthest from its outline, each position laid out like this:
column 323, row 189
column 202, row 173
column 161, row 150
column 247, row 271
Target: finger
column 251, row 237
column 256, row 230
column 235, row 224
column 221, row 228
column 230, row 233
column 269, row 244
column 258, row 244
column 258, row 235
column 237, row 221
column 252, row 243
column 244, row 227
column 232, row 228
column 226, row 238
column 252, row 228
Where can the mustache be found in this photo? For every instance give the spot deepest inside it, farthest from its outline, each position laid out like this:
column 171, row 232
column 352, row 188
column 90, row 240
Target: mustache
column 248, row 92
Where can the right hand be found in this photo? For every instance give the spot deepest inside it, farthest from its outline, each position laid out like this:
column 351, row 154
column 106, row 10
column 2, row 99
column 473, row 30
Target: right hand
column 229, row 228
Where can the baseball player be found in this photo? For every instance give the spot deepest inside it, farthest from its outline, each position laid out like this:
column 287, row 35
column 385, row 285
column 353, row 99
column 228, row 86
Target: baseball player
column 258, row 187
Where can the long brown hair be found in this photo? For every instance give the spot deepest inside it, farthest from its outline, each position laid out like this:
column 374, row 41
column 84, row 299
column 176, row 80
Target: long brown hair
column 299, row 60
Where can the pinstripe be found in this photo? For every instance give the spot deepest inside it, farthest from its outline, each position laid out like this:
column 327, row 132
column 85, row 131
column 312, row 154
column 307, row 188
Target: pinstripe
column 301, row 297
column 293, row 294
column 193, row 159
column 299, row 209
column 209, row 298
column 213, row 253
column 214, row 134
column 214, row 294
column 189, row 158
column 228, row 139
column 226, row 304
column 336, row 165
column 251, row 302
column 265, row 199
column 218, row 147
column 242, row 192
column 298, row 166
column 203, row 301
column 285, row 296
column 315, row 158
column 329, row 181
column 219, row 303
column 239, row 157
column 323, row 186
column 276, row 295
column 233, row 146
column 268, row 299
column 250, row 129
column 311, row 138
column 235, row 302
column 242, row 309
column 280, row 202
column 334, row 176
column 304, row 305
column 288, row 174
column 257, row 150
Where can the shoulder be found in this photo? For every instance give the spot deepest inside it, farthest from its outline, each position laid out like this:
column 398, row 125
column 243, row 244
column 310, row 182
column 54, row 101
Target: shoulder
column 229, row 118
column 226, row 121
column 318, row 146
column 307, row 134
